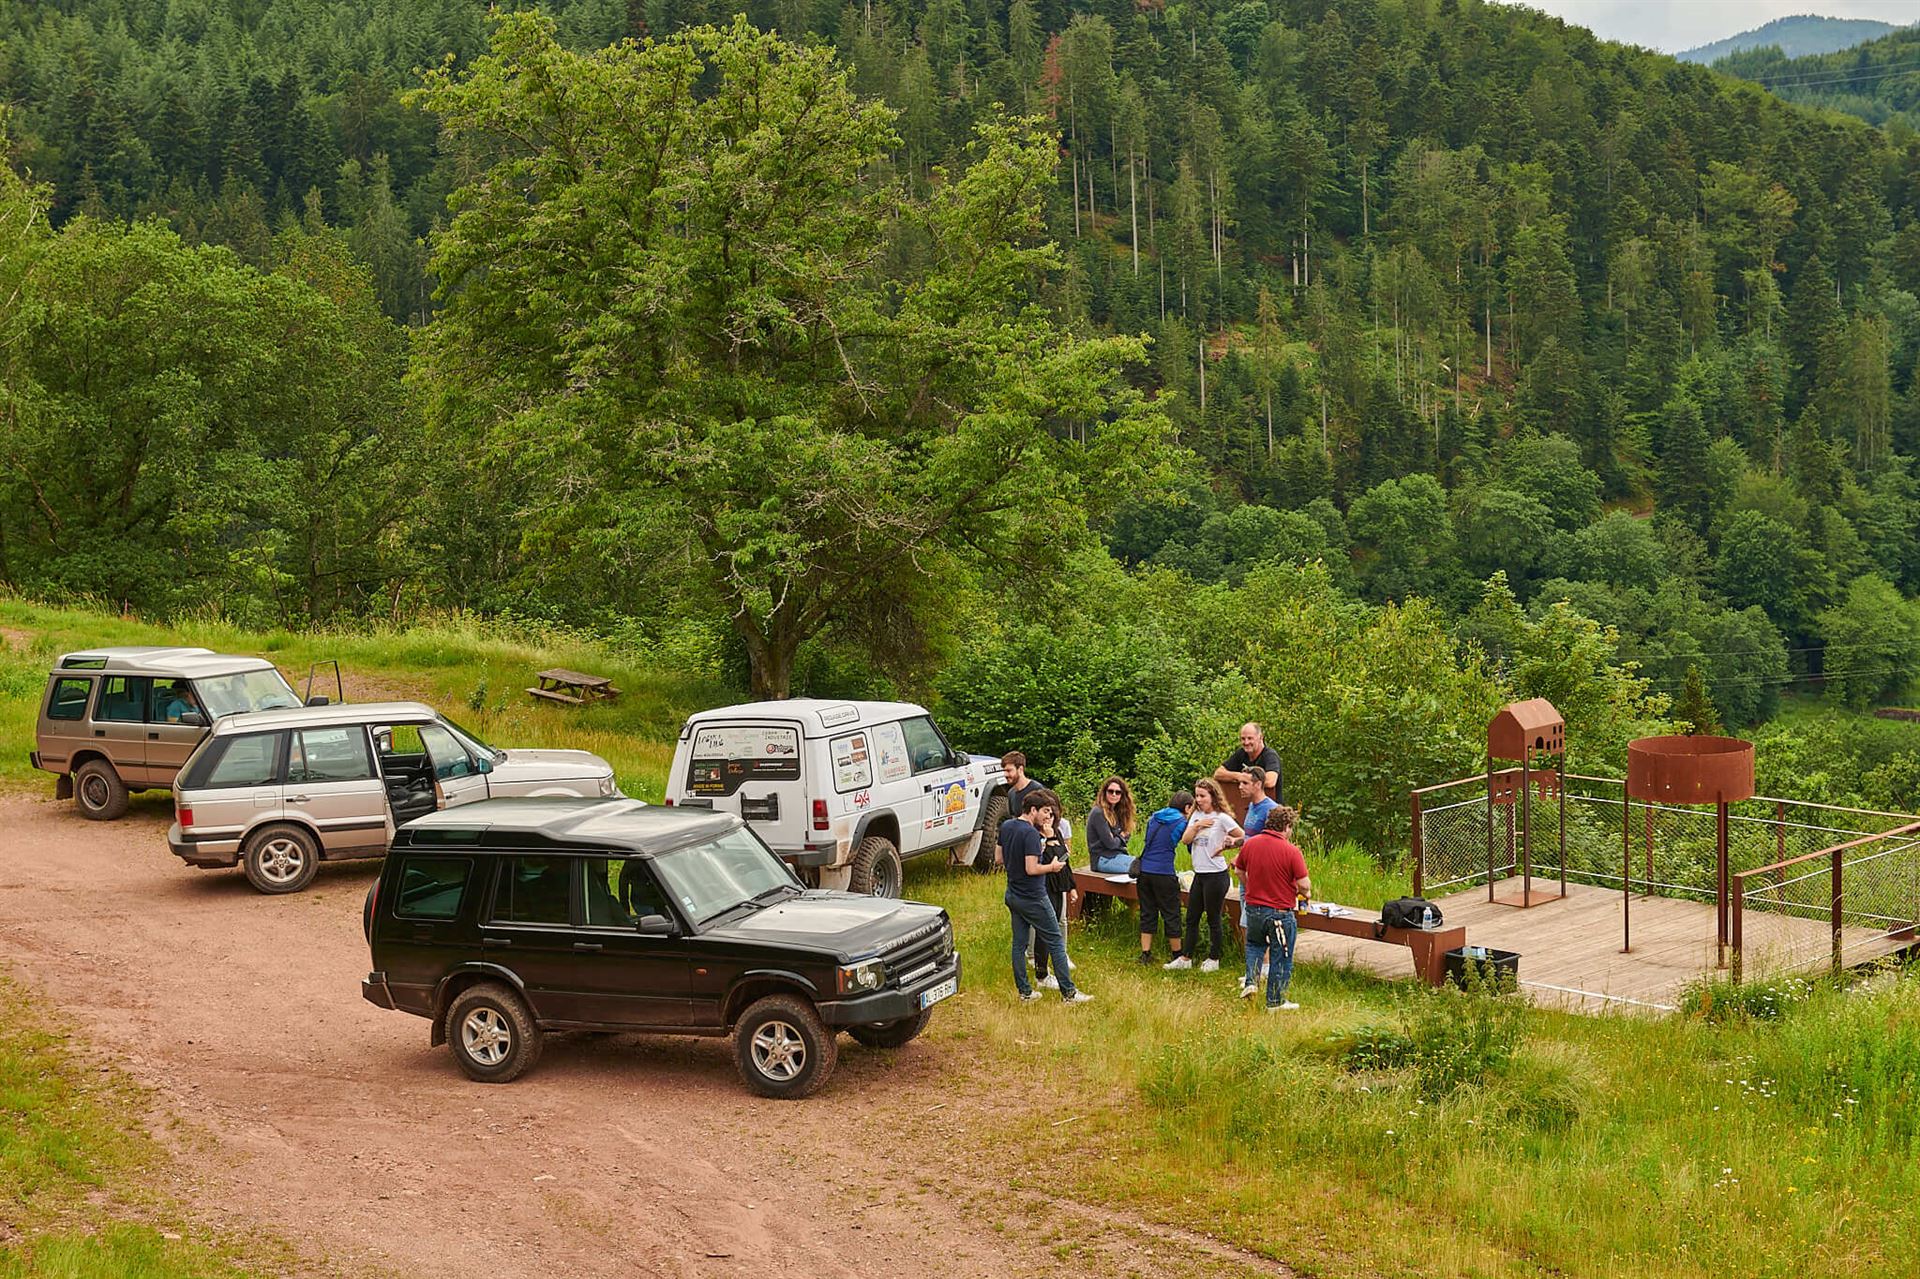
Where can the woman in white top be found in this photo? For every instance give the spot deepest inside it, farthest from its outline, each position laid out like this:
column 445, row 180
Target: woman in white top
column 1210, row 834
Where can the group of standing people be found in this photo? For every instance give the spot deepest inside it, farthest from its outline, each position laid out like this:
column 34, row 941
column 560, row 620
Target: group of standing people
column 1257, row 831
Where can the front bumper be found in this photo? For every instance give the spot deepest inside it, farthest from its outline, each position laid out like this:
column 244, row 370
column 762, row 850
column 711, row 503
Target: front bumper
column 886, row 1005
column 198, row 850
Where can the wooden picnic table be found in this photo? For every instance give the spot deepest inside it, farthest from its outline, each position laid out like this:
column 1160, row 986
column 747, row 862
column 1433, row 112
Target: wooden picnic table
column 1428, row 946
column 574, row 688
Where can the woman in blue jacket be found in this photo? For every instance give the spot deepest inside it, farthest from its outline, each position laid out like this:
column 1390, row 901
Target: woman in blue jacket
column 1159, row 885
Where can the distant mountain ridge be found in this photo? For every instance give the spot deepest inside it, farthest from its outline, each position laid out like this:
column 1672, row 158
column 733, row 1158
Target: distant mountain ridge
column 1797, row 37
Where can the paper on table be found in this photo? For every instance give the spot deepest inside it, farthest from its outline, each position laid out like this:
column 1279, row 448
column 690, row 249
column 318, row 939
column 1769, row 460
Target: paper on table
column 1119, row 879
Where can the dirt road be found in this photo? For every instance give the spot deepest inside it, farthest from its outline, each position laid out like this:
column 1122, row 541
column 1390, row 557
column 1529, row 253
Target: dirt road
column 296, row 1109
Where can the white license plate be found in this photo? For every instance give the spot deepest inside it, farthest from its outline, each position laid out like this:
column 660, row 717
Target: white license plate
column 928, row 998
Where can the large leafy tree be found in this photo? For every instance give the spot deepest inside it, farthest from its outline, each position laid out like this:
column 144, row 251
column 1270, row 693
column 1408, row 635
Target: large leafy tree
column 681, row 293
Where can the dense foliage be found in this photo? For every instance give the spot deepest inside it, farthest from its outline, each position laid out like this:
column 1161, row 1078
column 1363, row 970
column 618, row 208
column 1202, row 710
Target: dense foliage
column 1432, row 291
column 1878, row 80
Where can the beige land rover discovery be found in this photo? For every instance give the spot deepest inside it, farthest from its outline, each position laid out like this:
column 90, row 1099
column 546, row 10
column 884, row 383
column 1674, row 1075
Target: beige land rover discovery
column 115, row 720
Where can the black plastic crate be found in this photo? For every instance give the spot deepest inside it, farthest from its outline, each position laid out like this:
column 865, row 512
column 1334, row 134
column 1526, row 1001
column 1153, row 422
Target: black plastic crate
column 1498, row 969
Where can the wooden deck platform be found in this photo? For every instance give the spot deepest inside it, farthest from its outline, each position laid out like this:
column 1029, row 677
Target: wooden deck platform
column 1570, row 953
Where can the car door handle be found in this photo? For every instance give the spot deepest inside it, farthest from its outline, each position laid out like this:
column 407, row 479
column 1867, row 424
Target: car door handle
column 298, row 799
column 153, row 737
column 587, row 947
column 496, row 941
column 99, row 732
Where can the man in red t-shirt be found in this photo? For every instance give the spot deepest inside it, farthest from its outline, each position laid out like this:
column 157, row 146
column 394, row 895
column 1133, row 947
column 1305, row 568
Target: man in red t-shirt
column 1273, row 883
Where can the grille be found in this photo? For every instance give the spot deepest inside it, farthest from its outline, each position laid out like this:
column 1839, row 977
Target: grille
column 920, row 956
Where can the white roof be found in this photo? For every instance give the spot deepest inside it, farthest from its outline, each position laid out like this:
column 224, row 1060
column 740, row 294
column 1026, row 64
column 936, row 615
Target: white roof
column 322, row 716
column 817, row 716
column 184, row 663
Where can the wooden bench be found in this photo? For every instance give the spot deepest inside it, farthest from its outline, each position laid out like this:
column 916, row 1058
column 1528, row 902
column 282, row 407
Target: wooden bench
column 1428, row 946
column 573, row 688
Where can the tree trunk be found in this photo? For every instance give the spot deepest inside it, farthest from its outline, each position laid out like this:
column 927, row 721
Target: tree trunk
column 770, row 660
column 1133, row 203
column 1075, row 153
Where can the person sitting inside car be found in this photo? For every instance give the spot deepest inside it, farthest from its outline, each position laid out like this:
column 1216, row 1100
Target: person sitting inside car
column 178, row 703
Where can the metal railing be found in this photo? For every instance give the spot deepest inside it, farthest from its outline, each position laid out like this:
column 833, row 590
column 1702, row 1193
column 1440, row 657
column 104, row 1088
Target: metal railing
column 1861, row 896
column 1775, row 851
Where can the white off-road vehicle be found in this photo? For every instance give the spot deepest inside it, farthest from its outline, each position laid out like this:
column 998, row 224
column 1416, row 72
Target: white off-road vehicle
column 843, row 791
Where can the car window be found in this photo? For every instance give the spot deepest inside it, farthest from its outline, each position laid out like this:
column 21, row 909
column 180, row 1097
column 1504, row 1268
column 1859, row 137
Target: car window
column 250, row 759
column 432, row 887
column 621, row 891
column 450, row 759
column 123, row 699
column 266, row 690
column 69, row 699
column 924, row 744
column 725, row 757
column 172, row 698
column 895, row 764
column 852, row 763
column 329, row 755
column 709, row 879
column 533, row 890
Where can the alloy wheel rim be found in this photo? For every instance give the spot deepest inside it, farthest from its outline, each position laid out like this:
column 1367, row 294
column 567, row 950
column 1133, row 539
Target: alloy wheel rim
column 281, row 860
column 93, row 790
column 486, row 1036
column 779, row 1052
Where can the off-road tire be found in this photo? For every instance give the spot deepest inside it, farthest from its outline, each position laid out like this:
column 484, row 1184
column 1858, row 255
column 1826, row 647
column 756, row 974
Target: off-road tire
column 501, row 1043
column 892, row 1034
column 282, row 858
column 98, row 792
column 993, row 812
column 783, row 1049
column 877, row 869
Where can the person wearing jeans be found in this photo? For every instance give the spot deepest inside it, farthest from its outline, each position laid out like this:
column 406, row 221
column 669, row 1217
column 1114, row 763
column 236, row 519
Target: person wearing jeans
column 1110, row 826
column 1275, row 874
column 1208, row 836
column 1023, row 852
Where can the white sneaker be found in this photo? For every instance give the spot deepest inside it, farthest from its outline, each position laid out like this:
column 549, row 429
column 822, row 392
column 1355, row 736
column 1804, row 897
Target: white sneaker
column 1209, row 965
column 1030, row 996
column 1246, row 988
column 1284, row 1006
column 1078, row 997
column 1049, row 982
column 1177, row 963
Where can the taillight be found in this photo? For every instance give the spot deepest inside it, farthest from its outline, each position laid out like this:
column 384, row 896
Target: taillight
column 373, row 904
column 820, row 814
column 185, row 815
column 669, row 801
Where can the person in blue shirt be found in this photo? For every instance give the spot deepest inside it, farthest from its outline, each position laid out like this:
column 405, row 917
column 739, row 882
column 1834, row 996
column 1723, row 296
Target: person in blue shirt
column 1023, row 853
column 1159, row 885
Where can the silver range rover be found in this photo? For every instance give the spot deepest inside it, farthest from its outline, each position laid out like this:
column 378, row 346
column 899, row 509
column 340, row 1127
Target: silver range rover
column 276, row 792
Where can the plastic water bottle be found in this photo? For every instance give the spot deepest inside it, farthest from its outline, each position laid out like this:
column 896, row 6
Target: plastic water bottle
column 1427, row 918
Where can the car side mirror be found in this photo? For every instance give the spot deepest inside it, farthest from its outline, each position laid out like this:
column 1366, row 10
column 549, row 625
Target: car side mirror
column 196, row 718
column 483, row 765
column 319, row 701
column 654, row 926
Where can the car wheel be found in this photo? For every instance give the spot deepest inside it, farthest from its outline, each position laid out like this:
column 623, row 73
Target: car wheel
column 783, row 1049
column 876, row 868
column 492, row 1034
column 892, row 1034
column 99, row 792
column 992, row 814
column 280, row 859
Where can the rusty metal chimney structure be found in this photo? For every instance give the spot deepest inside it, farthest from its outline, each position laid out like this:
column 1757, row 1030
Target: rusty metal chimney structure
column 1685, row 770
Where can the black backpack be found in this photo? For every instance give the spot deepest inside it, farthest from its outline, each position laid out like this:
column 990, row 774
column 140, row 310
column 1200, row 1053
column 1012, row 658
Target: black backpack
column 1411, row 912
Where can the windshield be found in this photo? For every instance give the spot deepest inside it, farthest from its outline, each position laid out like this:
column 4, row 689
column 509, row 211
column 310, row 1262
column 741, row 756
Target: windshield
column 266, row 690
column 711, row 879
column 474, row 745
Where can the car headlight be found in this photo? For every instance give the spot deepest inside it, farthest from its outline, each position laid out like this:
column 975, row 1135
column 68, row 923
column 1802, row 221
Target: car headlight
column 870, row 974
column 607, row 789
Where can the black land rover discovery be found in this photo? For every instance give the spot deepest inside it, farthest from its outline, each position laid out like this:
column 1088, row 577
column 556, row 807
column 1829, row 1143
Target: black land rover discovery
column 506, row 918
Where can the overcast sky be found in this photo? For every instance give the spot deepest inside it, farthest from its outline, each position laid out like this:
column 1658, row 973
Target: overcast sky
column 1673, row 25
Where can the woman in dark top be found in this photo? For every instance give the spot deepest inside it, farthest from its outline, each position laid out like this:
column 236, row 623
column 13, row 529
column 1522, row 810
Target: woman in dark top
column 1056, row 838
column 1109, row 827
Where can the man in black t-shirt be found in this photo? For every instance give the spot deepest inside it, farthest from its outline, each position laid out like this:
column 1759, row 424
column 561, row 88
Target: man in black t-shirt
column 1023, row 847
column 1013, row 765
column 1252, row 753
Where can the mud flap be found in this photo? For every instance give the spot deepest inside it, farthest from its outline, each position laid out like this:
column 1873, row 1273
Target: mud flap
column 965, row 853
column 63, row 788
column 835, row 877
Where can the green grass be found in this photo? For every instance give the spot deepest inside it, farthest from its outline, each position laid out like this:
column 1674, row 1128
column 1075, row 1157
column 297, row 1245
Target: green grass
column 1382, row 1129
column 72, row 1167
